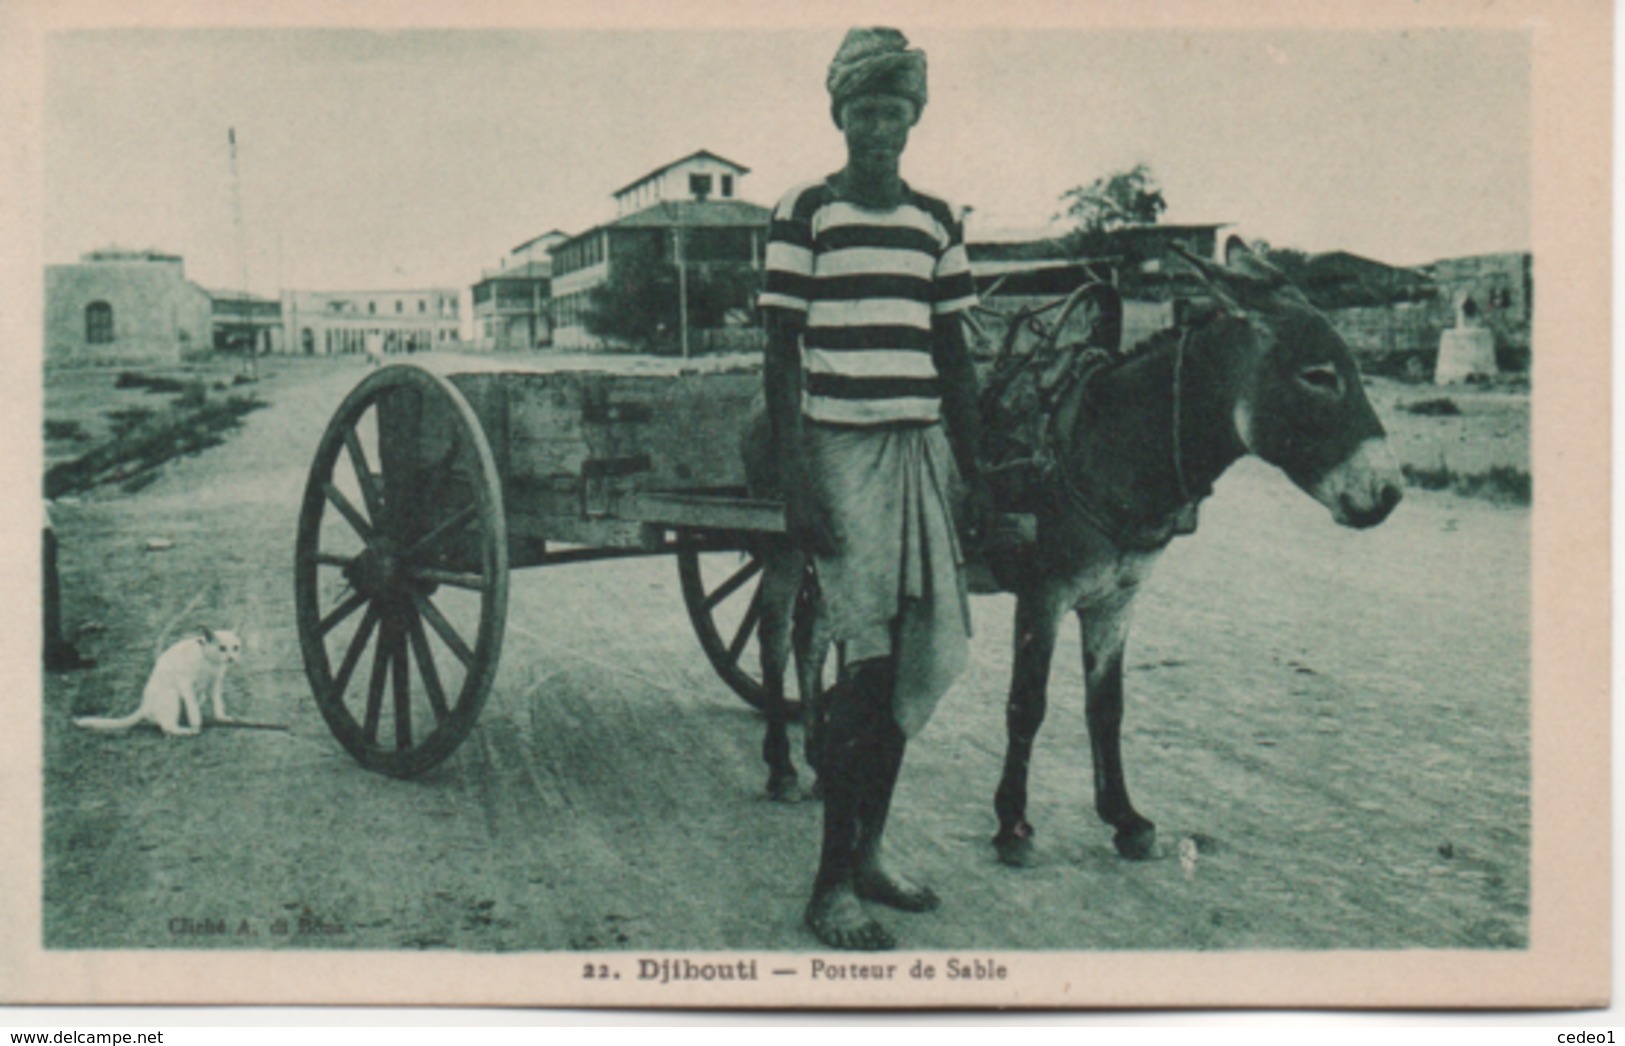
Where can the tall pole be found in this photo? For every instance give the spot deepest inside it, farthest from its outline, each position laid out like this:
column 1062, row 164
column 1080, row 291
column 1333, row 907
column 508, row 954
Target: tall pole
column 242, row 254
column 682, row 283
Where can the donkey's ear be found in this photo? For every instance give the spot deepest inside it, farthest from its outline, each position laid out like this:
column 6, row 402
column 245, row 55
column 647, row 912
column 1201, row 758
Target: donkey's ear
column 1246, row 281
column 208, row 633
column 1240, row 257
column 1215, row 277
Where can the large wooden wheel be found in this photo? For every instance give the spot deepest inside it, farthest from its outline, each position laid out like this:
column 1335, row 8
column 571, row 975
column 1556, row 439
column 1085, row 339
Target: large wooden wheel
column 723, row 591
column 401, row 571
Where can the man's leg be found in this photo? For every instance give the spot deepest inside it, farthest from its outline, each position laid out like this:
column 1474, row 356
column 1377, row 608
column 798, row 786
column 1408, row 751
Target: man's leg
column 858, row 760
column 872, row 880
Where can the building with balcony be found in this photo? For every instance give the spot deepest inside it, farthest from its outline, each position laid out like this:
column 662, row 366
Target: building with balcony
column 686, row 214
column 511, row 302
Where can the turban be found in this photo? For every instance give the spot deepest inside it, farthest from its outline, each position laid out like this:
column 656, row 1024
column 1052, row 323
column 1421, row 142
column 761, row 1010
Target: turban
column 876, row 61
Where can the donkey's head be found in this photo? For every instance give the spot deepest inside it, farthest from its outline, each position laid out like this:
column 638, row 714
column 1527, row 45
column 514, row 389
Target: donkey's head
column 1300, row 404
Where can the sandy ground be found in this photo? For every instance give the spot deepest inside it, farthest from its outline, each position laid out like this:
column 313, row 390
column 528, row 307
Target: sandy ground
column 1340, row 718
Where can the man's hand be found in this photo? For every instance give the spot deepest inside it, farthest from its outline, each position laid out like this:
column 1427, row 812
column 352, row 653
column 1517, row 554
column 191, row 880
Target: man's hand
column 810, row 526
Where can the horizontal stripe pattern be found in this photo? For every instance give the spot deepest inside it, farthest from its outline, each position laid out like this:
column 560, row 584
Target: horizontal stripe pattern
column 871, row 337
column 872, row 363
column 872, row 412
column 869, row 283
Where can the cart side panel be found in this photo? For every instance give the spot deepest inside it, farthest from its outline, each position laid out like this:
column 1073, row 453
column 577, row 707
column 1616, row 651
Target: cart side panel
column 578, row 447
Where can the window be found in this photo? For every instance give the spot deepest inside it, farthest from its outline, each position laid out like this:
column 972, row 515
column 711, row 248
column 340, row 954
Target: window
column 98, row 323
column 372, row 308
column 400, row 306
column 423, row 306
column 699, row 186
column 727, row 185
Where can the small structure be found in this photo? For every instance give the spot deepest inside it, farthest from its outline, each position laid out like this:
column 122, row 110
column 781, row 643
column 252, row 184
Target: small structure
column 240, row 319
column 1502, row 289
column 124, row 306
column 1468, row 349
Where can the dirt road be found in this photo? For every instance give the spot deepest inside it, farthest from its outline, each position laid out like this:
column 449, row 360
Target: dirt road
column 1339, row 719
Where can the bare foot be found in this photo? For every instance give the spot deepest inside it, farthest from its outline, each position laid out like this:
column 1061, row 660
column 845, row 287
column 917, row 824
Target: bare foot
column 894, row 891
column 839, row 921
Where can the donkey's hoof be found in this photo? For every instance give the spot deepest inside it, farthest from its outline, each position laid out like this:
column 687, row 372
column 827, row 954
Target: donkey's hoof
column 1137, row 841
column 1015, row 846
column 784, row 788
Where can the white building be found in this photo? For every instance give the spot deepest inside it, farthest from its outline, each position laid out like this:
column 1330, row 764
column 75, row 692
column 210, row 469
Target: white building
column 702, row 175
column 332, row 323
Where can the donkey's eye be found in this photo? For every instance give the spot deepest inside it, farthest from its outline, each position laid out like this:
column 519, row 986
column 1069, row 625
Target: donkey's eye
column 1322, row 378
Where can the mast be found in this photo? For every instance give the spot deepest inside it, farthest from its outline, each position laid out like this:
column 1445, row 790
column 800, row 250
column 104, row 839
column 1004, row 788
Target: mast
column 249, row 362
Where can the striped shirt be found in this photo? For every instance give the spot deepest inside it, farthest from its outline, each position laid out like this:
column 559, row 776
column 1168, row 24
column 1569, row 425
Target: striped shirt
column 868, row 283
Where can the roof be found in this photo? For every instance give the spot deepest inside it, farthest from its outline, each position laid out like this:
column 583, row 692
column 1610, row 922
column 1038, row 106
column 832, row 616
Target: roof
column 712, row 213
column 231, row 295
column 1342, row 279
column 558, row 234
column 534, row 270
column 658, row 171
column 115, row 253
column 690, row 214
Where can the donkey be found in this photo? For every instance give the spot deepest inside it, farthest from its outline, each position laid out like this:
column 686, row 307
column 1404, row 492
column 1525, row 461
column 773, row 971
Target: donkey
column 1139, row 445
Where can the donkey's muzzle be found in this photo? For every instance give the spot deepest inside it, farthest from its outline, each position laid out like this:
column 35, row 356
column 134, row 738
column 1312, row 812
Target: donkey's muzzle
column 1364, row 489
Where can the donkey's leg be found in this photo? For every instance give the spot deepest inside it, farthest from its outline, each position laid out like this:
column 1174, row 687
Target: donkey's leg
column 781, row 580
column 1105, row 632
column 1037, row 621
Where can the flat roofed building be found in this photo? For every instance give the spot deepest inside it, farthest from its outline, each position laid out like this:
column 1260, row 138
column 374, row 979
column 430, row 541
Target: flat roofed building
column 124, row 306
column 334, row 323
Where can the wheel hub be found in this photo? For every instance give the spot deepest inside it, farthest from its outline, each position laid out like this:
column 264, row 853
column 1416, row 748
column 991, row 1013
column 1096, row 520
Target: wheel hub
column 376, row 572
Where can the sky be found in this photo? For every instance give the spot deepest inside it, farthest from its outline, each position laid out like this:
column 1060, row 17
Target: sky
column 408, row 159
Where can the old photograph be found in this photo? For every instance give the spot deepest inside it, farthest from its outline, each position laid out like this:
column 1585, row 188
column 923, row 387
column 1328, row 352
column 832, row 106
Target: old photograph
column 897, row 507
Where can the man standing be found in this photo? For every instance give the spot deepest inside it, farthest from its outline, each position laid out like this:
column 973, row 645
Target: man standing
column 866, row 359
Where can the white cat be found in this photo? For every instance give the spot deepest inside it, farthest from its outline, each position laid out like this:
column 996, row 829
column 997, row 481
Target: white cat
column 182, row 673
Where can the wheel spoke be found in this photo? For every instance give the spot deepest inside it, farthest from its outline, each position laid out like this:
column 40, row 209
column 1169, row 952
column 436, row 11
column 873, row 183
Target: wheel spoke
column 363, row 475
column 438, row 622
column 356, row 520
column 342, row 611
column 403, row 692
column 747, row 627
column 473, row 582
column 352, row 656
column 730, row 586
column 380, row 668
column 449, row 526
column 333, row 559
column 426, row 667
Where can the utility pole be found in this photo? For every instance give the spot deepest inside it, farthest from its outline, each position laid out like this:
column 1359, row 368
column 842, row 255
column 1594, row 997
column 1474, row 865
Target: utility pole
column 250, row 364
column 682, row 282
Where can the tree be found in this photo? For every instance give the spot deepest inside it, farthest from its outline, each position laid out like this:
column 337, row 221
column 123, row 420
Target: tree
column 1122, row 198
column 637, row 304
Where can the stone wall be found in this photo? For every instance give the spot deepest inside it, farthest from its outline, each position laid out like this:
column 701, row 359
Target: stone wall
column 157, row 314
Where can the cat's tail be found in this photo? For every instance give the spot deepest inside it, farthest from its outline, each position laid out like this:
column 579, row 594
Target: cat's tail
column 99, row 723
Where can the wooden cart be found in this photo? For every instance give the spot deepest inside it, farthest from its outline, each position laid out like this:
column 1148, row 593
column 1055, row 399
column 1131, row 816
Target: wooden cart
column 426, row 492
